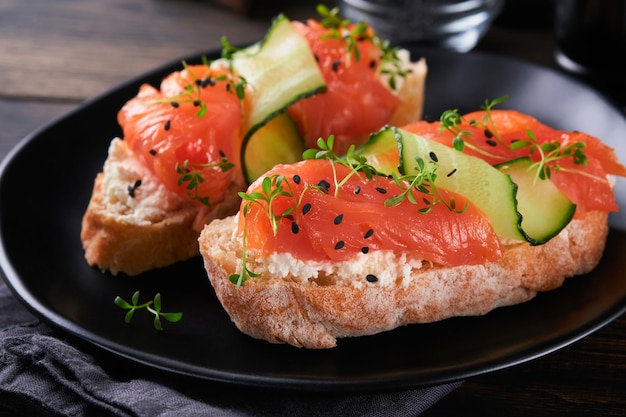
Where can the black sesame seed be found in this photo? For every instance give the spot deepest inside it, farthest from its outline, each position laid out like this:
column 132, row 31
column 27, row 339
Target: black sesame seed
column 208, row 82
column 491, row 142
column 365, row 249
column 168, row 125
column 373, row 63
column 335, row 65
column 297, row 179
column 433, row 156
column 488, row 133
column 381, row 190
column 295, row 228
column 451, row 173
column 368, row 234
column 340, row 245
column 338, row 219
column 174, row 104
column 357, row 189
column 152, row 152
column 196, row 103
column 131, row 188
column 306, row 208
column 317, row 58
column 324, row 185
column 197, row 82
column 371, row 278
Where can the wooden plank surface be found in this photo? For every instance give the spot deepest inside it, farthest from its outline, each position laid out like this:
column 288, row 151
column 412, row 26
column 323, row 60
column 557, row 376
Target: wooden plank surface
column 89, row 46
column 584, row 379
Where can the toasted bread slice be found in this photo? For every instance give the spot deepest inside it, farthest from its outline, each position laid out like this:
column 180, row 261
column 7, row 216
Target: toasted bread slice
column 312, row 304
column 133, row 223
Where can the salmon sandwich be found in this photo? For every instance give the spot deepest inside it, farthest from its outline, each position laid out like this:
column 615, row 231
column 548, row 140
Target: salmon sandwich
column 420, row 223
column 208, row 130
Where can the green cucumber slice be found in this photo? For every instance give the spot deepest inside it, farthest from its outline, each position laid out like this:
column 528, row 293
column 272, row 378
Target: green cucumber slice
column 279, row 70
column 382, row 151
column 278, row 141
column 545, row 209
column 492, row 191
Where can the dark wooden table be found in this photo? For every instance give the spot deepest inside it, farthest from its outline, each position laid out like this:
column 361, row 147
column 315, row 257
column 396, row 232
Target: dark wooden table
column 55, row 54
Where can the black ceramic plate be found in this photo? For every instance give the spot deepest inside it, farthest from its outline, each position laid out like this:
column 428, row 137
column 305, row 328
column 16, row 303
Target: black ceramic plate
column 45, row 186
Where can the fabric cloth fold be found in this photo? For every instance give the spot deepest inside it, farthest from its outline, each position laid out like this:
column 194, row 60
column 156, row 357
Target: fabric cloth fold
column 42, row 373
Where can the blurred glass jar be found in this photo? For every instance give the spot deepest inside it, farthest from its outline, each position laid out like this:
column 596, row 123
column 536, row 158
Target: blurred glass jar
column 591, row 36
column 455, row 25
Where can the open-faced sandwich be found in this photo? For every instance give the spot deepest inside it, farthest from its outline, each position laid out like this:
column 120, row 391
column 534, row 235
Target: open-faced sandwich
column 369, row 232
column 421, row 223
column 190, row 144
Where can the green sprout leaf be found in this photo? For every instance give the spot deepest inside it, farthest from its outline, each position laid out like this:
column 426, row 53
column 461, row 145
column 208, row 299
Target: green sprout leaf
column 549, row 153
column 153, row 306
column 191, row 175
column 423, row 183
column 391, row 64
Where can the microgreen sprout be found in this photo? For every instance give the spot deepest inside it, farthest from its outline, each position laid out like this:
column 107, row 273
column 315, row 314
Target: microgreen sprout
column 451, row 119
column 487, row 122
column 391, row 66
column 228, row 50
column 340, row 29
column 330, row 18
column 240, row 278
column 192, row 175
column 423, row 182
column 550, row 153
column 354, row 161
column 351, row 37
column 272, row 188
column 192, row 92
column 153, row 306
column 352, row 34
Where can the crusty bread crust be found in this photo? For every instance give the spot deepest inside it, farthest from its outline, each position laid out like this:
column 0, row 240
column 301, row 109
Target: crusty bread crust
column 314, row 313
column 150, row 229
column 411, row 94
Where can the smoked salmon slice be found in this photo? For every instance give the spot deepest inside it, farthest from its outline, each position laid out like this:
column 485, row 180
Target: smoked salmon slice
column 318, row 221
column 491, row 134
column 192, row 120
column 357, row 102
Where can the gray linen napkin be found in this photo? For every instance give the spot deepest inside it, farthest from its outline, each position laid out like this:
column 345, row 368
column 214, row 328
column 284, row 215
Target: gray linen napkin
column 44, row 374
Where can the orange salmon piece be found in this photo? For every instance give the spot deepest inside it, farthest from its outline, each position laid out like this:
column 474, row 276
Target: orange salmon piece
column 193, row 117
column 356, row 102
column 586, row 186
column 323, row 226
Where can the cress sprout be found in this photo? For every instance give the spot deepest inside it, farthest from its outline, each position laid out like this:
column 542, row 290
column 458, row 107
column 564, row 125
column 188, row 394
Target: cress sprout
column 152, row 306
